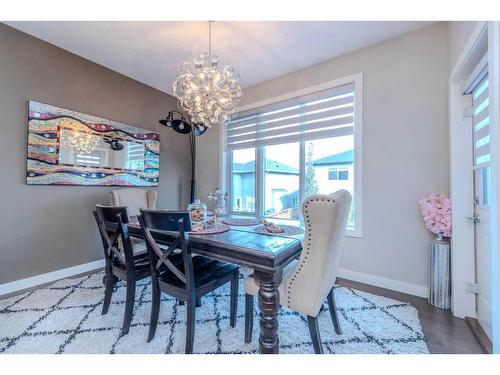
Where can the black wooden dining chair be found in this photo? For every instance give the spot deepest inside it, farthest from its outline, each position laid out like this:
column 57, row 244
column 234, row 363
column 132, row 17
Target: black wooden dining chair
column 175, row 272
column 126, row 259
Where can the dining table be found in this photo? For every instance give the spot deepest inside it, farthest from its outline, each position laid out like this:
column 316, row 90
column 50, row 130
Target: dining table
column 265, row 254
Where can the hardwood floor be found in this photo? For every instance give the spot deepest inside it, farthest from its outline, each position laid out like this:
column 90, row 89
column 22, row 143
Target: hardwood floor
column 481, row 336
column 444, row 333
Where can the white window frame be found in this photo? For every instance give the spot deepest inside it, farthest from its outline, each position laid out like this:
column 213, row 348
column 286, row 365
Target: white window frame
column 225, row 162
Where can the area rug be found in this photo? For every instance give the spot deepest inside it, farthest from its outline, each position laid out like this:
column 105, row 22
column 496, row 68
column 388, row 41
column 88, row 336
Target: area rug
column 65, row 317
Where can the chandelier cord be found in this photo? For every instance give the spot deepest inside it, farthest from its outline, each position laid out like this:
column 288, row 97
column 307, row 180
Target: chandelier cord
column 210, row 42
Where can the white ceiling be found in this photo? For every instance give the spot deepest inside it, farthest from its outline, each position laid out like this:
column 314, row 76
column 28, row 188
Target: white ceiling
column 152, row 52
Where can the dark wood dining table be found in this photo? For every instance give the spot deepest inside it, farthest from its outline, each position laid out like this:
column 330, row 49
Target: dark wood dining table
column 266, row 254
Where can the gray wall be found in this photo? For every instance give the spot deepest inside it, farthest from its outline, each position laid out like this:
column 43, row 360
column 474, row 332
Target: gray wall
column 46, row 228
column 207, row 162
column 405, row 148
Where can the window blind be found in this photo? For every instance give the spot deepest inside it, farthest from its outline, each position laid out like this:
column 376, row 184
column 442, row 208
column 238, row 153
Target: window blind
column 481, row 123
column 135, row 151
column 329, row 113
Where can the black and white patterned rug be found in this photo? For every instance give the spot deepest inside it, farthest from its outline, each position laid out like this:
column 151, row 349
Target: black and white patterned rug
column 65, row 317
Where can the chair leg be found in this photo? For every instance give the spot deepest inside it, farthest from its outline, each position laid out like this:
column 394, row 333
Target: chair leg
column 109, row 278
column 191, row 311
column 248, row 318
column 234, row 300
column 315, row 337
column 333, row 311
column 155, row 310
column 129, row 305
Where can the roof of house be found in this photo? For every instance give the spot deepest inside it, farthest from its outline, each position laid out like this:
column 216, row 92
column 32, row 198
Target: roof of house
column 346, row 157
column 271, row 166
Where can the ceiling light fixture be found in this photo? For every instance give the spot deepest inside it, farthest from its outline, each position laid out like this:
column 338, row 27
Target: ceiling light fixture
column 208, row 93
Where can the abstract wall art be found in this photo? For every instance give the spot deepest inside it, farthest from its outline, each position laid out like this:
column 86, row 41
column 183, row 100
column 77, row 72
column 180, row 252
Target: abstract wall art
column 71, row 148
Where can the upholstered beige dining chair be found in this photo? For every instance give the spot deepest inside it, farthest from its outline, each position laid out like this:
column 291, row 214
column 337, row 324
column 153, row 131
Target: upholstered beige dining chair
column 134, row 199
column 308, row 281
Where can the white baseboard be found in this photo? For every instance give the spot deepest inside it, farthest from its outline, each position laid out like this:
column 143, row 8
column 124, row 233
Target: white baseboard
column 382, row 282
column 30, row 282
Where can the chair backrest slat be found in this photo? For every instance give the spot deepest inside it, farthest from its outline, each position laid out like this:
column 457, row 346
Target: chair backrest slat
column 166, row 219
column 179, row 223
column 111, row 214
column 111, row 223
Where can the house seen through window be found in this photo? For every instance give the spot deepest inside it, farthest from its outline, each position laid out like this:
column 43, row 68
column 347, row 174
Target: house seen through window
column 294, row 157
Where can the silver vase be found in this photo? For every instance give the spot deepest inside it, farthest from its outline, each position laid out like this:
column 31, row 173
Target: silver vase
column 439, row 280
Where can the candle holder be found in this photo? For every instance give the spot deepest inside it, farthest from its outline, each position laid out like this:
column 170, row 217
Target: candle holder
column 217, row 200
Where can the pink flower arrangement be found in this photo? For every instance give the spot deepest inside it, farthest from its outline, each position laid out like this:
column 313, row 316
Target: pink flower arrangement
column 436, row 211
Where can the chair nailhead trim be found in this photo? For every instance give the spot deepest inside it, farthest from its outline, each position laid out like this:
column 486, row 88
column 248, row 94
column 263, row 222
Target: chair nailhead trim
column 308, row 246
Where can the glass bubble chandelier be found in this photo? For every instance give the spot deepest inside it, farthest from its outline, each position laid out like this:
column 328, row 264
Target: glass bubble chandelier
column 80, row 142
column 208, row 93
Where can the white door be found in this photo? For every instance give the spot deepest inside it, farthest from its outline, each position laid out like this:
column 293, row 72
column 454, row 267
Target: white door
column 482, row 196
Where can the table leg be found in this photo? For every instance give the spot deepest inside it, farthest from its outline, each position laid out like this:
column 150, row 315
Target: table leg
column 269, row 304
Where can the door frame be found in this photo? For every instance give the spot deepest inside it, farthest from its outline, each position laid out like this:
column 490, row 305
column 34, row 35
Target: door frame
column 461, row 174
column 494, row 78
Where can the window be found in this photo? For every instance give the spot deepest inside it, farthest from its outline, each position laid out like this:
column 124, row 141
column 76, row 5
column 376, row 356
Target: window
column 251, row 203
column 333, row 174
column 481, row 122
column 333, row 162
column 477, row 85
column 481, row 101
column 343, row 174
column 281, row 180
column 243, row 180
column 486, row 186
column 84, row 159
column 338, row 174
column 135, row 156
column 296, row 146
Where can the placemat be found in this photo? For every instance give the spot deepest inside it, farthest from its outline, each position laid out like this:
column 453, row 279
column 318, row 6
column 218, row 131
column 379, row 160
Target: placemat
column 241, row 221
column 213, row 229
column 288, row 230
